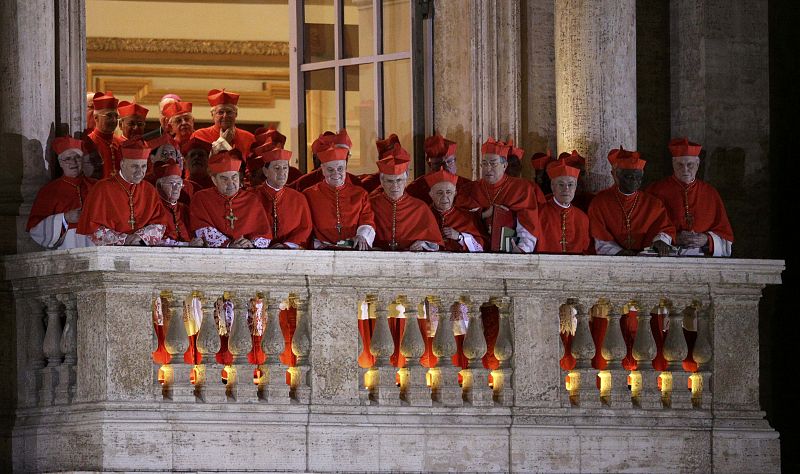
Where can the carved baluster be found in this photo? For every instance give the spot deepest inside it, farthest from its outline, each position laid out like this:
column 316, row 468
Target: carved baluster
column 367, row 371
column 301, row 347
column 674, row 381
column 445, row 387
column 240, row 343
column 275, row 391
column 385, row 390
column 614, row 380
column 206, row 386
column 52, row 350
column 583, row 377
column 644, row 381
column 69, row 348
column 414, row 388
column 566, row 331
column 35, row 345
column 503, row 350
column 701, row 388
column 476, row 377
column 176, row 343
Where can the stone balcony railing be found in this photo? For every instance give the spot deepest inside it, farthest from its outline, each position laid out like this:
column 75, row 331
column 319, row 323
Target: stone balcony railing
column 90, row 396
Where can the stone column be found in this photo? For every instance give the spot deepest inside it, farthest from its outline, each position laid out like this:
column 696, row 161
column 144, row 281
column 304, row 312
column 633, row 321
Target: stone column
column 71, row 59
column 596, row 81
column 27, row 99
column 719, row 74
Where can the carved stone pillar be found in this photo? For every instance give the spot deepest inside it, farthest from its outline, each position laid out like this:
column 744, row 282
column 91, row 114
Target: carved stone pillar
column 69, row 348
column 52, row 350
column 207, row 386
column 275, row 391
column 301, row 347
column 476, row 380
column 385, row 390
column 502, row 378
column 414, row 390
column 175, row 383
column 240, row 343
column 703, row 352
column 445, row 390
column 614, row 351
column 584, row 351
column 674, row 387
column 596, row 81
column 645, row 393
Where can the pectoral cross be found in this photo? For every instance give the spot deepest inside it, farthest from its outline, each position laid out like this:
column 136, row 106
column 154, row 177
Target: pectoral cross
column 231, row 218
column 338, row 228
column 132, row 222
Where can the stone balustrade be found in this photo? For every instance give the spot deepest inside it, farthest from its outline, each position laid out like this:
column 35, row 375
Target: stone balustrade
column 179, row 359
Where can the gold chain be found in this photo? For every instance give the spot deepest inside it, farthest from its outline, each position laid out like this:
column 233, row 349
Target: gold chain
column 132, row 220
column 627, row 215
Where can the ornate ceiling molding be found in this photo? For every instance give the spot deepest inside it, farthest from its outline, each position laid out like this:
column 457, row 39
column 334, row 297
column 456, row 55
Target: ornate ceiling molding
column 187, row 51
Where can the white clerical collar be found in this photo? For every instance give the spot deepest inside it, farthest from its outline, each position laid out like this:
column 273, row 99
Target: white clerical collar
column 625, row 194
column 124, row 178
column 559, row 204
column 273, row 187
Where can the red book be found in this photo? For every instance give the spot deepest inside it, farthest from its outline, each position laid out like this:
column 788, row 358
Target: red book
column 501, row 217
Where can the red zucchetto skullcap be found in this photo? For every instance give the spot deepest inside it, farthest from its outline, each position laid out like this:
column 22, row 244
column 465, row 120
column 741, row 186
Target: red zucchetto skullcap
column 163, row 169
column 540, row 160
column 322, row 142
column 219, row 97
column 176, row 108
column 126, row 109
column 135, row 150
column 439, row 176
column 394, row 165
column 386, row 146
column 342, row 140
column 276, row 154
column 619, row 154
column 225, row 161
column 573, row 159
column 683, row 147
column 332, row 153
column 494, row 147
column 104, row 100
column 62, row 144
column 561, row 168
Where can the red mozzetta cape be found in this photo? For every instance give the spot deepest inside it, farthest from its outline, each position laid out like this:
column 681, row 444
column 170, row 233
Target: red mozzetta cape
column 648, row 218
column 209, row 208
column 705, row 206
column 60, row 195
column 413, row 221
column 462, row 221
column 108, row 147
column 419, row 189
column 242, row 140
column 310, row 179
column 576, row 229
column 107, row 205
column 516, row 194
column 178, row 228
column 354, row 211
column 288, row 212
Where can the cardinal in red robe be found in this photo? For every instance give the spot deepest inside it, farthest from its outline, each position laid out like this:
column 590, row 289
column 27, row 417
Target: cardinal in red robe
column 107, row 145
column 340, row 211
column 123, row 209
column 224, row 135
column 180, row 124
column 323, row 142
column 372, row 181
column 623, row 219
column 460, row 229
column 53, row 221
column 694, row 206
column 286, row 208
column 227, row 215
column 440, row 154
column 169, row 184
column 565, row 228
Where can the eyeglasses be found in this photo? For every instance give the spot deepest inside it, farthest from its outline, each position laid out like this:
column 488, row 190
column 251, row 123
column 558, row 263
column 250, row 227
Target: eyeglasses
column 490, row 164
column 70, row 158
column 133, row 123
column 175, row 185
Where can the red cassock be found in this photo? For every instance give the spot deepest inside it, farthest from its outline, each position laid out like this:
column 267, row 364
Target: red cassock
column 419, row 189
column 516, row 194
column 108, row 147
column 571, row 224
column 242, row 139
column 462, row 221
column 178, row 214
column 58, row 196
column 313, row 177
column 648, row 218
column 706, row 210
column 288, row 213
column 370, row 182
column 412, row 219
column 354, row 211
column 108, row 205
column 241, row 215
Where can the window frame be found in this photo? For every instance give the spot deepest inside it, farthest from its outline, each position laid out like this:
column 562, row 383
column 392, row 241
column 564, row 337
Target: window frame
column 420, row 55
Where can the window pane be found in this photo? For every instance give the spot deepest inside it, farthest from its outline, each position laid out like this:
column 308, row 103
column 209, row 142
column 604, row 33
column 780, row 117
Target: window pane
column 318, row 31
column 359, row 102
column 320, row 106
column 359, row 39
column 397, row 103
column 396, row 26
